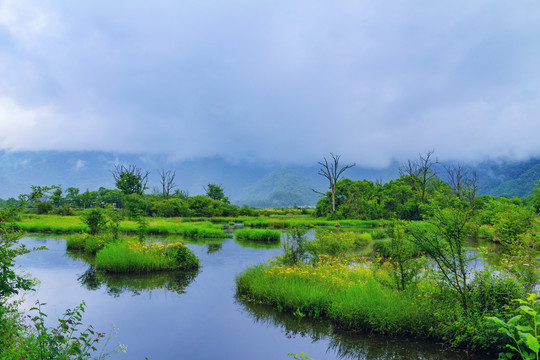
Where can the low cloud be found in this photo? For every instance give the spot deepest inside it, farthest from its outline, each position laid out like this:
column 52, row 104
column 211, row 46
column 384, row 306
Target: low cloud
column 284, row 81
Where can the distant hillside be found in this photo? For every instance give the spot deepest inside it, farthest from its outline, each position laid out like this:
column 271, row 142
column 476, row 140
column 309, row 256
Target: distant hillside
column 91, row 170
column 508, row 178
column 282, row 187
column 244, row 183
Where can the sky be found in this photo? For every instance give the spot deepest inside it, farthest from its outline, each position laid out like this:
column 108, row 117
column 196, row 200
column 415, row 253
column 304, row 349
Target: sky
column 272, row 81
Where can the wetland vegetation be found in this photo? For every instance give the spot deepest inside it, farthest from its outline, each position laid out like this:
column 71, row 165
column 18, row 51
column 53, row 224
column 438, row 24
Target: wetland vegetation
column 391, row 258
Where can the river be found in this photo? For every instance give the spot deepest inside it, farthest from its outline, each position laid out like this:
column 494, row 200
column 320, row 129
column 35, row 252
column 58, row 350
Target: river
column 196, row 315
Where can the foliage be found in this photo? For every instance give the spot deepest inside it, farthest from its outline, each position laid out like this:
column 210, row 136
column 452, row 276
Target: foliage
column 405, row 268
column 333, row 243
column 294, row 247
column 301, row 356
column 444, row 242
column 44, row 207
column 10, row 282
column 215, row 192
column 492, row 291
column 511, row 224
column 535, row 198
column 522, row 329
column 95, row 219
column 130, row 179
column 66, row 340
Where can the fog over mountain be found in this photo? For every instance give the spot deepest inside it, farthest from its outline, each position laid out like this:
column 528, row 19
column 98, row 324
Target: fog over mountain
column 244, row 183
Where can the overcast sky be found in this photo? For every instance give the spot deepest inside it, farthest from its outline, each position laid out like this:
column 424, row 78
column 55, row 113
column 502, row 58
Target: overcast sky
column 272, row 80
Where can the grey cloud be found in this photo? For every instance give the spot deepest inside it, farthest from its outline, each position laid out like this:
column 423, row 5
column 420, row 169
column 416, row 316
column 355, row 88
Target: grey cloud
column 272, row 80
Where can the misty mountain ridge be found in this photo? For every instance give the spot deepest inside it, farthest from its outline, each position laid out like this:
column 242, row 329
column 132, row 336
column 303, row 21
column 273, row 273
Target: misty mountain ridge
column 252, row 184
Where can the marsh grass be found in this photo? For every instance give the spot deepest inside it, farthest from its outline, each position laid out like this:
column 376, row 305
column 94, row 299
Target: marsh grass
column 348, row 294
column 261, row 235
column 157, row 226
column 134, row 256
column 88, row 243
column 360, row 296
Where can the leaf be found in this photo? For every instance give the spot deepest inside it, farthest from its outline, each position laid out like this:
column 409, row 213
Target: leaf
column 532, row 343
column 528, row 310
column 497, row 321
column 524, row 328
column 513, row 320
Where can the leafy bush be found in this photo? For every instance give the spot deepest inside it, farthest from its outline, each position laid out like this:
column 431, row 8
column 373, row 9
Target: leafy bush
column 95, row 219
column 294, row 248
column 522, row 329
column 491, row 292
column 44, row 207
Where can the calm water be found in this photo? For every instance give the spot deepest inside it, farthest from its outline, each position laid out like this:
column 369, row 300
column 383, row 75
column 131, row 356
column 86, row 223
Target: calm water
column 195, row 315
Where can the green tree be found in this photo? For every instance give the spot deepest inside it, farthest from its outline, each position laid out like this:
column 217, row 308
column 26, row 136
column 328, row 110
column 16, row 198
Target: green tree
column 95, row 219
column 215, row 192
column 130, row 179
column 535, row 197
column 56, row 197
column 72, row 196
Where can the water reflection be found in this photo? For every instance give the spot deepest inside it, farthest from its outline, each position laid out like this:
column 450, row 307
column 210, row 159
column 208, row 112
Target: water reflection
column 347, row 345
column 116, row 284
column 257, row 244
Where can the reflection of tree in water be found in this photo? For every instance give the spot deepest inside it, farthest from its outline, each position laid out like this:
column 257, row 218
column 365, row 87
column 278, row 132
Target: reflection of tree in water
column 214, row 248
column 351, row 344
column 116, row 284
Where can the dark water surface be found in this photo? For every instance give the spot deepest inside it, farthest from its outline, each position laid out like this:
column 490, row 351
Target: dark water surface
column 195, row 315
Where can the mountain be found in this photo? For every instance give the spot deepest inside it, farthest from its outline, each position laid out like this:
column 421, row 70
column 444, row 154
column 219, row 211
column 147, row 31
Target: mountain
column 281, row 187
column 244, row 183
column 508, row 178
column 91, row 170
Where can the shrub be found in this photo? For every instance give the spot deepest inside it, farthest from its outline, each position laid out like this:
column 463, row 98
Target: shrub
column 382, row 248
column 44, row 207
column 491, row 292
column 362, row 239
column 95, row 219
column 294, row 248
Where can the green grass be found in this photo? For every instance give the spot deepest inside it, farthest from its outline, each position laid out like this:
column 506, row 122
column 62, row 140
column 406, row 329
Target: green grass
column 133, row 256
column 362, row 298
column 157, row 226
column 262, row 235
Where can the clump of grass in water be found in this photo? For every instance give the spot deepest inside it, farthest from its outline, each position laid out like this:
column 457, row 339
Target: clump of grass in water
column 258, row 235
column 134, row 256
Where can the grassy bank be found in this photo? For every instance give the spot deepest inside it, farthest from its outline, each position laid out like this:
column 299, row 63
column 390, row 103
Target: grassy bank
column 362, row 297
column 158, row 226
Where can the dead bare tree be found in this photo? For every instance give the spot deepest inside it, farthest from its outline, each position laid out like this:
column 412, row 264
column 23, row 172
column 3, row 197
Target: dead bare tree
column 457, row 178
column 410, row 169
column 333, row 173
column 167, row 182
column 463, row 184
column 425, row 172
